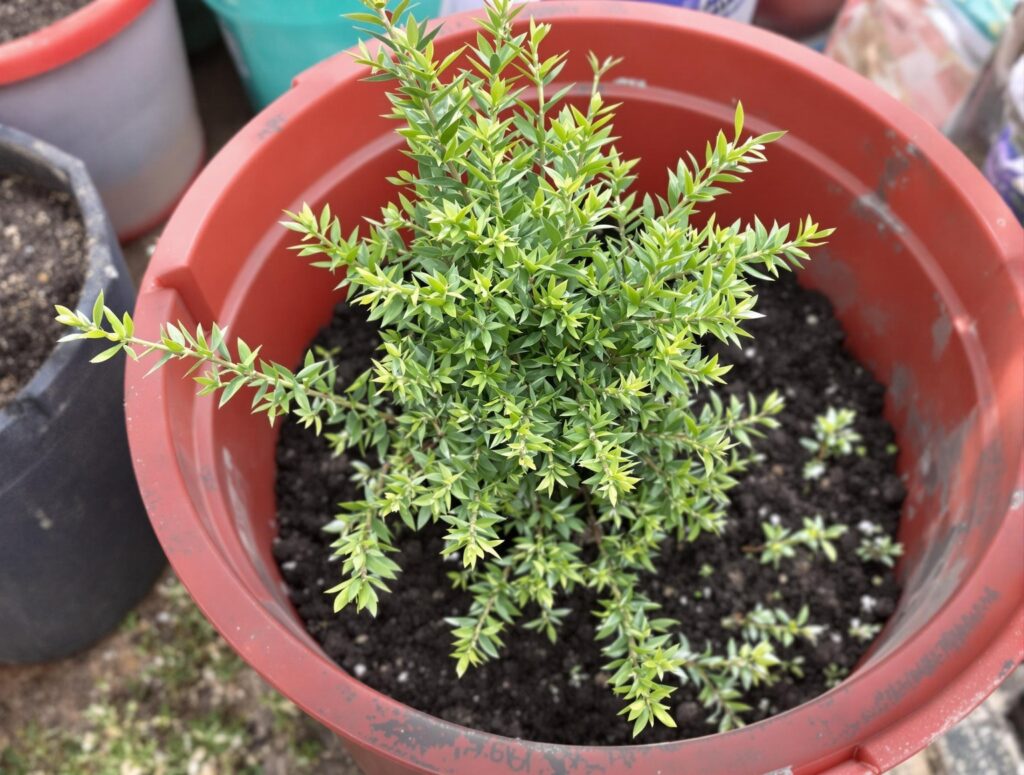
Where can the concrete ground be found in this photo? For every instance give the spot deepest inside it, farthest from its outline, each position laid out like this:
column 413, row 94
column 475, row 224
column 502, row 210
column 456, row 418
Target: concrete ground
column 165, row 695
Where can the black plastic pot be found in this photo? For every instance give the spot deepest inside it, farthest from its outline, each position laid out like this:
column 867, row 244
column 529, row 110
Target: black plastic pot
column 76, row 550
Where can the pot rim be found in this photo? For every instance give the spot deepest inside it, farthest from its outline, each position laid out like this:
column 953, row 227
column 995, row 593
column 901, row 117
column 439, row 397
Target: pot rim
column 66, row 39
column 100, row 259
column 325, row 690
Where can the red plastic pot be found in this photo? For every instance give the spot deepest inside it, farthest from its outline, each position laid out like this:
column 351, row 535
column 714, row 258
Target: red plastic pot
column 925, row 271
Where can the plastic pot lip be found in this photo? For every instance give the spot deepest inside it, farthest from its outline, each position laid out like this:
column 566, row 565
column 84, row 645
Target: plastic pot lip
column 274, row 649
column 103, row 262
column 66, row 39
column 237, row 12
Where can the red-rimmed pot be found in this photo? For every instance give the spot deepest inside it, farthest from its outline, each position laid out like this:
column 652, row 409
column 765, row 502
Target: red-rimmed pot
column 110, row 85
column 925, row 272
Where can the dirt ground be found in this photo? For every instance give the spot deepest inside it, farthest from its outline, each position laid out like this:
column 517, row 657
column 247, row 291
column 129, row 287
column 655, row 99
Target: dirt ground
column 164, row 695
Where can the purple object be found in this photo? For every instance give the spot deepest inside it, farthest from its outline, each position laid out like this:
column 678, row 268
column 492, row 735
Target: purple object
column 1004, row 168
column 739, row 10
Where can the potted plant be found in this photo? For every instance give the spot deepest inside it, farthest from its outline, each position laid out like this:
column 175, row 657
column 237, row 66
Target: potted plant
column 63, row 79
column 70, row 501
column 865, row 163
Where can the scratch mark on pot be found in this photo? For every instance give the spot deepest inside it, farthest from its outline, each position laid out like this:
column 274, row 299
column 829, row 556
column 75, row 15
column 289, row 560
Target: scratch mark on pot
column 942, row 329
column 1017, row 499
column 876, row 318
column 636, row 83
column 875, row 204
column 892, row 174
column 901, row 386
column 273, row 125
column 782, row 771
column 950, row 642
column 871, row 206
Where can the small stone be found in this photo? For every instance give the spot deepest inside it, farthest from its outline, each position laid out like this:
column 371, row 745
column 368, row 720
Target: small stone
column 687, row 713
column 736, row 579
column 359, row 670
column 812, row 320
column 403, row 677
column 361, row 638
column 892, row 490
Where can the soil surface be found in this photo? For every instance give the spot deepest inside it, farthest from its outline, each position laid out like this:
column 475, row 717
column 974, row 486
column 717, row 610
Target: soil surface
column 558, row 693
column 23, row 17
column 42, row 262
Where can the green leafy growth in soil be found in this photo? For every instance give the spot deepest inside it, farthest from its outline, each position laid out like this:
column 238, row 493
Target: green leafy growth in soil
column 716, row 587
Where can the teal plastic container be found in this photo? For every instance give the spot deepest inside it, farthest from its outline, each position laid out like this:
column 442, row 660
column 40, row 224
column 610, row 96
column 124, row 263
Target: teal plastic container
column 272, row 41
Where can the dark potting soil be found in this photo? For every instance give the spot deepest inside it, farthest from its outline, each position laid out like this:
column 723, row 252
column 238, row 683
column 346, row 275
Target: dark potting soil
column 558, row 693
column 42, row 263
column 23, row 17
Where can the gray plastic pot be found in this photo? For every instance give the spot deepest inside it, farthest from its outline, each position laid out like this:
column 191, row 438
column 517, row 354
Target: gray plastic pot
column 110, row 84
column 76, row 550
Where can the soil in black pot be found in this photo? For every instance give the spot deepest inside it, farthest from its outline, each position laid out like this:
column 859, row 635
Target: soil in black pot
column 22, row 17
column 558, row 693
column 42, row 262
